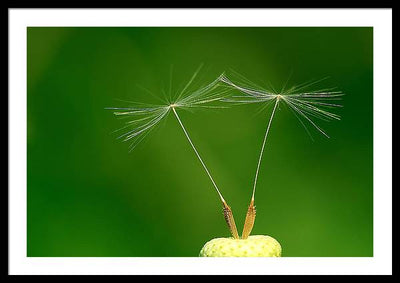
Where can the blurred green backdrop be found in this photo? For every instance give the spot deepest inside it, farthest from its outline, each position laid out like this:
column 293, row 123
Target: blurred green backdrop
column 87, row 196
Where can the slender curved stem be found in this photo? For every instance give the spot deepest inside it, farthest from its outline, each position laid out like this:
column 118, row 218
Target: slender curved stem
column 228, row 215
column 197, row 154
column 251, row 211
column 263, row 146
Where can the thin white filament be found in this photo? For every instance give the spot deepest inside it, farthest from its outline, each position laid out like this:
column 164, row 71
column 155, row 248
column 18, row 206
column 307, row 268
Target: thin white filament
column 263, row 146
column 198, row 155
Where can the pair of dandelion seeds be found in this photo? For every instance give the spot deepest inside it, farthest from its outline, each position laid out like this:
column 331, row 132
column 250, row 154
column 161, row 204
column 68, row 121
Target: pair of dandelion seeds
column 225, row 91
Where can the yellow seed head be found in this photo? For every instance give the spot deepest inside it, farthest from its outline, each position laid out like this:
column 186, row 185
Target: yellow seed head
column 253, row 246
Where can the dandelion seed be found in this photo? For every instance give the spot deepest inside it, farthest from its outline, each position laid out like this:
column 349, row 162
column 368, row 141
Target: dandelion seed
column 306, row 105
column 142, row 119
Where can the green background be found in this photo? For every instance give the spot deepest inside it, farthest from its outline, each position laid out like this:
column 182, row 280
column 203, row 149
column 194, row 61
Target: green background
column 88, row 196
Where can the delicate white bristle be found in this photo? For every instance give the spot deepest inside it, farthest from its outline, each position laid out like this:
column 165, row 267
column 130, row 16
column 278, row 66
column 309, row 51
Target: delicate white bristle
column 304, row 104
column 142, row 118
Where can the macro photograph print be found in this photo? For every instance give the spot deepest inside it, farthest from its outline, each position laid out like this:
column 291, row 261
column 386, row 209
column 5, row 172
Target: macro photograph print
column 200, row 142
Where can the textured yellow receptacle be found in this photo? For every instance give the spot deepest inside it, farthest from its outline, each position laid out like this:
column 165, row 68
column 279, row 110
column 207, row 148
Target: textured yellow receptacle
column 253, row 246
